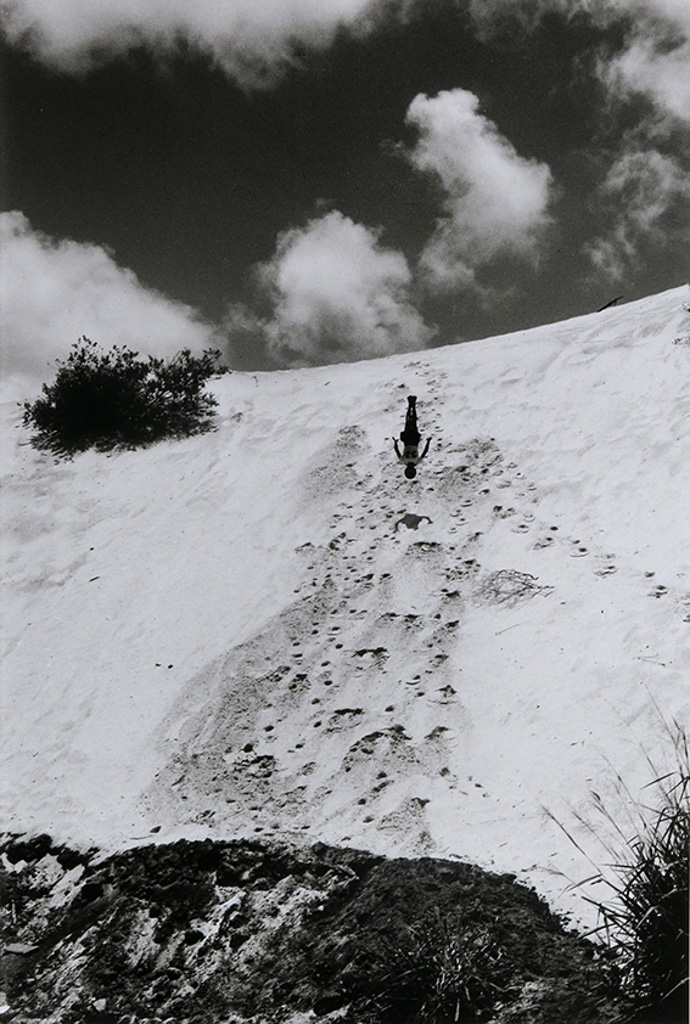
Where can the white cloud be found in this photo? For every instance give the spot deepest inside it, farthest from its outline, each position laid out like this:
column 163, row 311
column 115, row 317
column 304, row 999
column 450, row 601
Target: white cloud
column 645, row 196
column 495, row 201
column 647, row 67
column 252, row 40
column 654, row 61
column 650, row 194
column 53, row 292
column 495, row 17
column 338, row 295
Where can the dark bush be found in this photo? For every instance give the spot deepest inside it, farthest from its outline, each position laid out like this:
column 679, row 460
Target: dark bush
column 115, row 399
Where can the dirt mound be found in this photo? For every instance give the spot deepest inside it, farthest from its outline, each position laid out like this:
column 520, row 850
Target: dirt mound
column 231, row 931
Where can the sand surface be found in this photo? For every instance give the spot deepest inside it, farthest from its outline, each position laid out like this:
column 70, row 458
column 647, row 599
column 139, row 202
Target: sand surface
column 267, row 630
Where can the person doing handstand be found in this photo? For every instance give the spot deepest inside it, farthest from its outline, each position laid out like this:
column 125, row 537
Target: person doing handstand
column 410, row 438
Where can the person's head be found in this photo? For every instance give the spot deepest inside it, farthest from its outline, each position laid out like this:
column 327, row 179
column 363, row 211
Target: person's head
column 410, row 471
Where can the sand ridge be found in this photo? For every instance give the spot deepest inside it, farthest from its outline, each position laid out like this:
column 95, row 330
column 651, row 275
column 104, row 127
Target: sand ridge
column 268, row 631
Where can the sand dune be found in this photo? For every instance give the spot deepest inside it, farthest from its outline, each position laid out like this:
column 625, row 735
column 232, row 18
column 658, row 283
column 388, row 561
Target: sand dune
column 269, row 631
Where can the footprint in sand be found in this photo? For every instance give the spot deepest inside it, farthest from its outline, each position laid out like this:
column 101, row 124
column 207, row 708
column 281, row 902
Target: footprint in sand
column 579, row 551
column 659, row 591
column 411, row 521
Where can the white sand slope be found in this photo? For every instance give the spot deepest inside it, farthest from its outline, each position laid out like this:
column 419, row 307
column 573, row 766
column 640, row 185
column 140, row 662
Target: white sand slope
column 268, row 630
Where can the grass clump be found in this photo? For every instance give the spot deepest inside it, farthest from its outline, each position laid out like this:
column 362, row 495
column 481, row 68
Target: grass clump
column 114, row 399
column 443, row 971
column 645, row 919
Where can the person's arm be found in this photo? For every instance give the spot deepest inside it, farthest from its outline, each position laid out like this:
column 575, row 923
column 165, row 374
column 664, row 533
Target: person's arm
column 397, row 450
column 426, row 448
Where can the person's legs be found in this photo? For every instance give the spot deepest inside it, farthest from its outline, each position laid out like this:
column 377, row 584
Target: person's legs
column 410, row 435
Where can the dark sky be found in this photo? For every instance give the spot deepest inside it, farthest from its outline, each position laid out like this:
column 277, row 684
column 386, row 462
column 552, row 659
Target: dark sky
column 188, row 178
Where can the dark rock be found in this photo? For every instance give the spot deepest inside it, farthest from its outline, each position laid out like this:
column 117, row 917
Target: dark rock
column 29, row 849
column 92, row 890
column 69, row 859
column 328, row 1002
column 355, row 924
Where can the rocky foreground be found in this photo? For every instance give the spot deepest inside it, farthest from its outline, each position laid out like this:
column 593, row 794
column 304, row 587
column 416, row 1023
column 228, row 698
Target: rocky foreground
column 249, row 931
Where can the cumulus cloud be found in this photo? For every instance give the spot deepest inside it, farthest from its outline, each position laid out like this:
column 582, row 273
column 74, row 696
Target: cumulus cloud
column 495, row 201
column 252, row 40
column 53, row 292
column 654, row 60
column 655, row 63
column 644, row 195
column 337, row 295
column 493, row 18
column 650, row 193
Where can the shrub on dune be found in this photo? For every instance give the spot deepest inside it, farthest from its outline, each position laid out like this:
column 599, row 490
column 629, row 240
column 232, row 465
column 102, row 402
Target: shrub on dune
column 115, row 399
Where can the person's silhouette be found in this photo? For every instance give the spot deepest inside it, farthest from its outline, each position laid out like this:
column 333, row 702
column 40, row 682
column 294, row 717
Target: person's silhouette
column 410, row 438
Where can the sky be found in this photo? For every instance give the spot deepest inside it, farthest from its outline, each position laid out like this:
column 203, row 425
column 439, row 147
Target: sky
column 303, row 182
